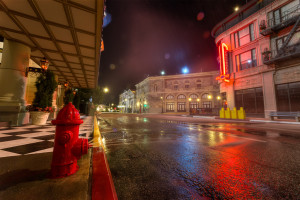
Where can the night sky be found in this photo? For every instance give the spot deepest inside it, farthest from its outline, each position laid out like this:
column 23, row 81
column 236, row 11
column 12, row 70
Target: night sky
column 147, row 36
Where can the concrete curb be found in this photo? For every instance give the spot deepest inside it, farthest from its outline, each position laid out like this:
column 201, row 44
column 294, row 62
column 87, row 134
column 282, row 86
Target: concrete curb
column 277, row 122
column 102, row 184
column 205, row 117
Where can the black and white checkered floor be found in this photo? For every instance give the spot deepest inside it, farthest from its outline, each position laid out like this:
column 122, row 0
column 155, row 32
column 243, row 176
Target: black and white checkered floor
column 32, row 139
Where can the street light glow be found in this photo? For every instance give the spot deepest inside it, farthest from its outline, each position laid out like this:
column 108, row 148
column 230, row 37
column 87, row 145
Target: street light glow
column 105, row 90
column 162, row 72
column 209, row 97
column 185, row 70
column 218, row 97
column 236, row 8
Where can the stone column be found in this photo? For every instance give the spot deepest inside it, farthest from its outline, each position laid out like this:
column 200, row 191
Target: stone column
column 269, row 93
column 15, row 60
column 230, row 95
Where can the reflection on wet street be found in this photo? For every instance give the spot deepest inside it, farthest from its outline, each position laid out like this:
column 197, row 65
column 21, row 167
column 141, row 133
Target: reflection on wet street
column 163, row 159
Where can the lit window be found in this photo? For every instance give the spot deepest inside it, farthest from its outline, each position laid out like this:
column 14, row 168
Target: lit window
column 170, row 97
column 194, row 96
column 181, row 96
column 246, row 60
column 204, row 96
column 244, row 36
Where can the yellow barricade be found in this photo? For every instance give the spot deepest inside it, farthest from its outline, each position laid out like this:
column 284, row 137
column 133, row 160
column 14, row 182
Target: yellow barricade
column 241, row 113
column 222, row 113
column 234, row 113
column 227, row 113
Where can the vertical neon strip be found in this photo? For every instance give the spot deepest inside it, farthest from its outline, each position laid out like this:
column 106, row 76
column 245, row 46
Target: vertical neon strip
column 220, row 57
column 224, row 47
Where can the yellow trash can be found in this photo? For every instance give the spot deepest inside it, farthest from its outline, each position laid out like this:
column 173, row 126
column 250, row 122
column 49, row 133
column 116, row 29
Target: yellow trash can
column 227, row 113
column 241, row 113
column 234, row 113
column 222, row 113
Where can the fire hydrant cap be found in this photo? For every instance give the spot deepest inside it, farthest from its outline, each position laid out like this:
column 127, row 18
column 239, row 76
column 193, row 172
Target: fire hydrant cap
column 68, row 115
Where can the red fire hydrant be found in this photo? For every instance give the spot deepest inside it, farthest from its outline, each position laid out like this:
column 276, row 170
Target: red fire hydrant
column 68, row 148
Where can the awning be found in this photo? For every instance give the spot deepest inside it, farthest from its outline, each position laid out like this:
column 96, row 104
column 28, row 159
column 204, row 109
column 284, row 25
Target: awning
column 66, row 32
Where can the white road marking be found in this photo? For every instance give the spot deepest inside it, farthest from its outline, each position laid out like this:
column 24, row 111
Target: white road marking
column 247, row 138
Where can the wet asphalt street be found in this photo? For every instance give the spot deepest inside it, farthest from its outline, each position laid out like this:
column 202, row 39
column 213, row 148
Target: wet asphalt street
column 152, row 158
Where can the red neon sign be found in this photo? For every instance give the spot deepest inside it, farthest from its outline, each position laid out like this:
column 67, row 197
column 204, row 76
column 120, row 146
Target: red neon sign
column 224, row 76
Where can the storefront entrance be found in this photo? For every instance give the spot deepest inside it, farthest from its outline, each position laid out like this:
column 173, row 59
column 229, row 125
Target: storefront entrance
column 252, row 100
column 288, row 97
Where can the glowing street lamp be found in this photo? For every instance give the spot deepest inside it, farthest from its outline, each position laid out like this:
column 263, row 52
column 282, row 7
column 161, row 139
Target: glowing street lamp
column 218, row 97
column 236, row 9
column 209, row 96
column 198, row 100
column 106, row 90
column 162, row 72
column 190, row 99
column 185, row 70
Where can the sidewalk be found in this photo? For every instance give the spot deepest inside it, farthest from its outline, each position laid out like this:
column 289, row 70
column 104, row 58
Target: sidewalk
column 25, row 160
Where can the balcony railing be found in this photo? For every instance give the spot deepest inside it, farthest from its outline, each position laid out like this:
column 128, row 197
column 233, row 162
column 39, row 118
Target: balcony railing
column 290, row 52
column 288, row 18
column 237, row 17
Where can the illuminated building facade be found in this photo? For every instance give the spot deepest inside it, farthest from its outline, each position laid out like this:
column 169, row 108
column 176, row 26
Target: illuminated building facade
column 259, row 51
column 127, row 101
column 178, row 93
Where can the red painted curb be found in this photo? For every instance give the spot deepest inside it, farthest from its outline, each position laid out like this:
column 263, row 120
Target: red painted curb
column 102, row 184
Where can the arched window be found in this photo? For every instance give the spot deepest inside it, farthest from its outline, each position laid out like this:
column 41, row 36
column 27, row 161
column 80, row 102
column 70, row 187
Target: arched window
column 181, row 96
column 204, row 96
column 194, row 96
column 170, row 97
column 155, row 88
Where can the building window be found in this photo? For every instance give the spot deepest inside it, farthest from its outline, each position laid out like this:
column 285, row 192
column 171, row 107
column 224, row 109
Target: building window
column 194, row 96
column 170, row 97
column 193, row 105
column 204, row 96
column 282, row 14
column 288, row 97
column 244, row 36
column 279, row 42
column 175, row 87
column 187, row 86
column 170, row 107
column 155, row 88
column 206, row 104
column 181, row 107
column 198, row 86
column 181, row 96
column 246, row 60
column 252, row 100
